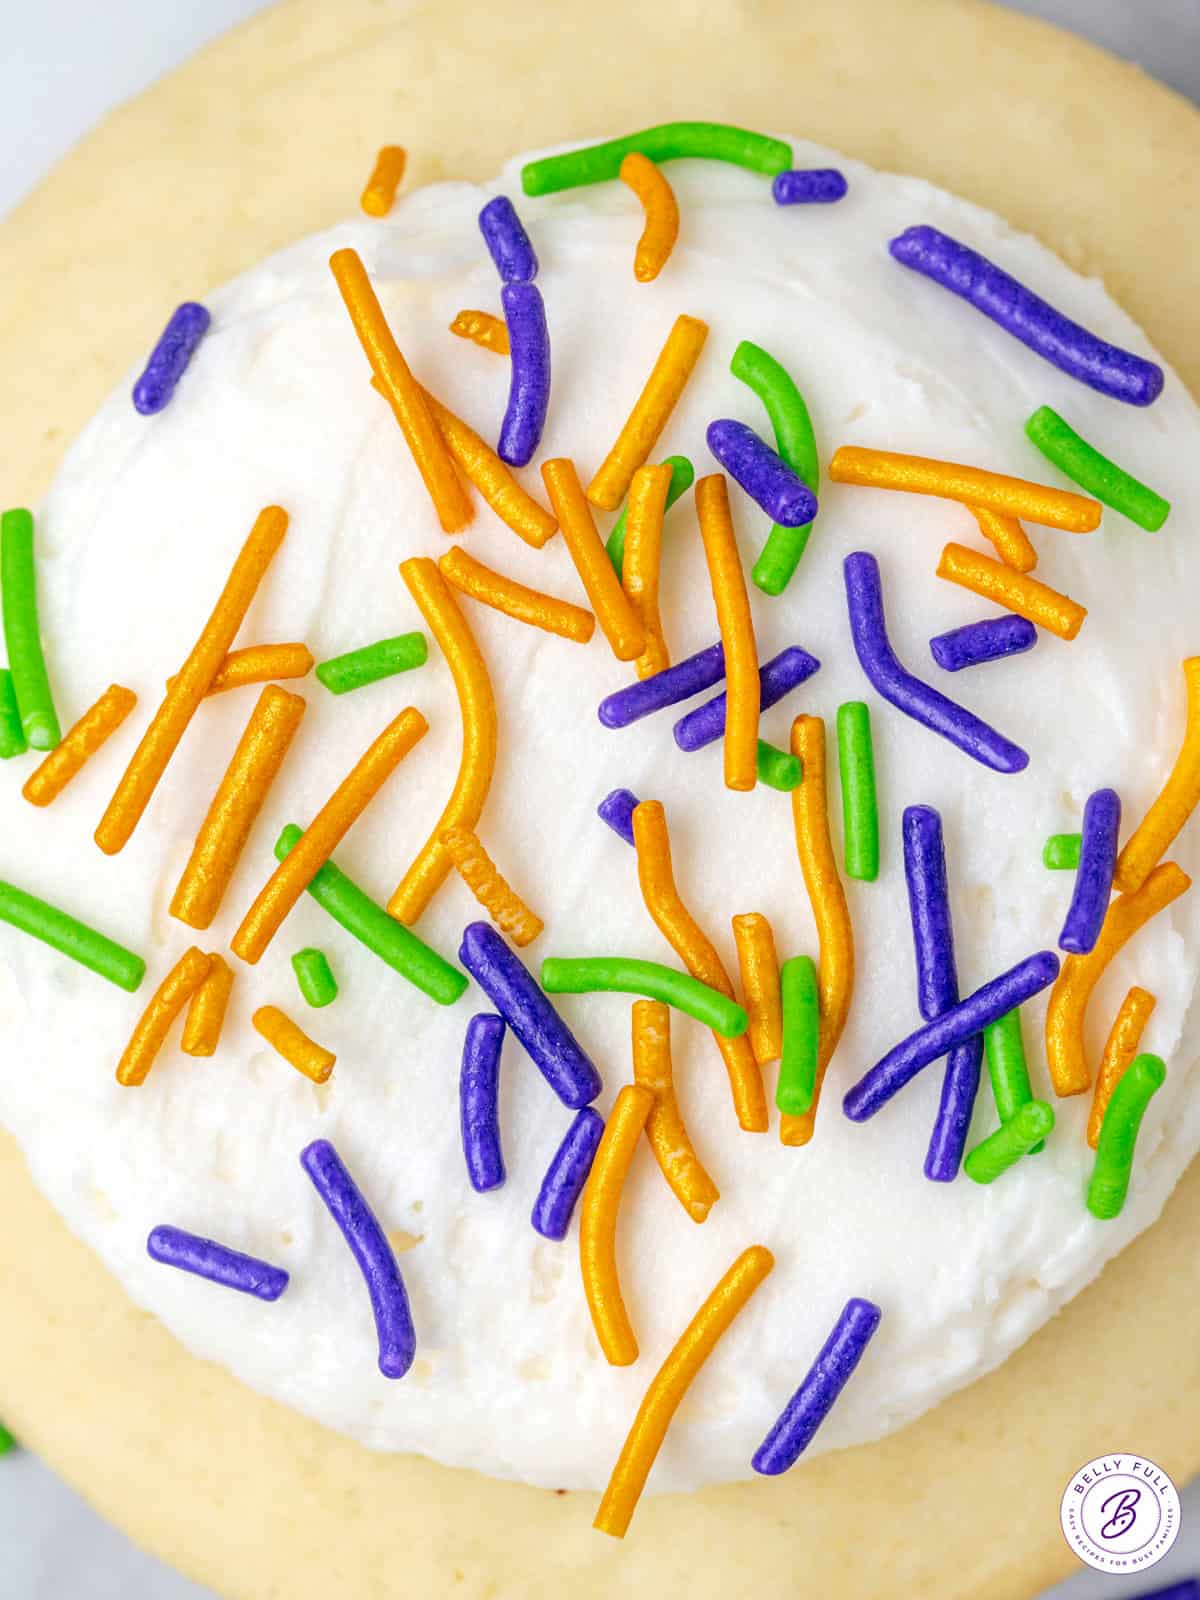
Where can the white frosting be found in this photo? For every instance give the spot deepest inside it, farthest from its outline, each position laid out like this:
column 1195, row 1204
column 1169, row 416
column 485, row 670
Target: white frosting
column 136, row 538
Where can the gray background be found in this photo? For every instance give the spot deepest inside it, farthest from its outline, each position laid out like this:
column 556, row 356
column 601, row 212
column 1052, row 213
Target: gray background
column 63, row 63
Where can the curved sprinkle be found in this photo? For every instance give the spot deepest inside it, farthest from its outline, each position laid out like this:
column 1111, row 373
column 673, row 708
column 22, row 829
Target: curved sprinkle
column 736, row 624
column 759, row 966
column 371, row 663
column 1094, row 877
column 22, row 631
column 1026, row 596
column 818, row 1393
column 598, row 1225
column 483, row 329
column 665, row 1129
column 762, row 473
column 206, row 1011
column 683, row 475
column 627, row 975
column 666, row 141
column 1007, row 537
column 566, row 1175
column 290, row 1041
column 686, row 678
column 617, row 810
column 370, row 1249
column 978, row 642
column 70, row 937
column 489, row 886
column 661, row 210
column 508, row 243
column 379, row 192
column 511, row 502
column 1026, row 1131
column 619, row 622
column 502, row 593
column 68, row 759
column 809, row 186
column 1118, row 1135
column 797, row 1083
column 1008, row 1070
column 776, row 678
column 478, row 1102
column 1084, row 465
column 646, row 506
column 171, row 357
column 175, row 1247
column 151, row 1029
column 1119, row 1050
column 972, row 486
column 529, row 384
column 796, row 444
column 1153, row 836
column 314, row 977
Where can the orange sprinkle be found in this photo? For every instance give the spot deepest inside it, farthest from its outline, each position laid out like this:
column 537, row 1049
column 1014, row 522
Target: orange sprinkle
column 950, row 480
column 835, row 934
column 403, row 392
column 618, row 620
column 1177, row 800
column 650, row 412
column 497, row 897
column 477, row 705
column 598, row 1224
column 1121, row 1047
column 326, row 831
column 482, row 328
column 236, row 805
column 1065, row 1014
column 671, row 1383
column 737, row 631
column 760, row 984
column 669, row 1139
column 645, row 509
column 380, row 192
column 293, row 1044
column 1009, row 539
column 259, row 663
column 505, row 594
column 192, row 683
column 49, row 780
column 662, row 214
column 206, row 1013
column 689, row 942
column 1013, row 590
column 169, row 999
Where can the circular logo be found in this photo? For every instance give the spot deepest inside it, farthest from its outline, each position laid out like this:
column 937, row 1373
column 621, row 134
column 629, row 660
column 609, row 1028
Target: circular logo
column 1120, row 1513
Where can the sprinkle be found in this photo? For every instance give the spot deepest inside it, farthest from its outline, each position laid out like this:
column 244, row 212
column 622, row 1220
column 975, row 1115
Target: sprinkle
column 82, row 742
column 191, row 684
column 482, row 328
column 763, row 474
column 1025, row 1132
column 1067, row 1010
column 978, row 642
column 953, row 1027
column 1007, row 537
column 1084, row 465
column 171, row 357
column 666, row 141
column 778, row 677
column 824, row 1381
column 529, row 384
column 566, row 1175
column 371, row 662
column 1094, row 879
column 645, row 508
column 669, row 1138
column 797, row 1083
column 1060, row 853
column 259, row 663
column 796, row 444
column 683, row 475
column 1035, row 601
column 1007, row 1069
column 70, row 938
column 326, row 831
column 686, row 678
column 150, row 1032
column 314, row 976
column 598, row 1225
column 776, row 768
column 497, row 897
column 926, row 705
column 514, row 599
column 508, row 243
column 402, row 390
column 175, row 1247
column 22, row 634
column 12, row 736
column 1177, row 800
column 671, row 1383
column 661, row 210
column 235, row 807
column 950, row 480
column 1120, row 1048
column 626, row 975
column 737, row 631
column 618, row 620
column 7, row 1442
column 379, row 195
column 479, row 1102
column 698, row 954
column 477, row 706
column 650, row 412
column 1118, row 1135
column 1028, row 317
column 759, row 967
column 539, row 1029
column 808, row 186
column 369, row 1247
column 395, row 945
column 507, row 498
column 206, row 1011
column 860, row 811
column 617, row 810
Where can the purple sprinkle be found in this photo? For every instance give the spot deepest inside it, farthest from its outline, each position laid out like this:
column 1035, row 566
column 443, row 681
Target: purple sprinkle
column 823, row 1382
column 1094, row 875
column 369, row 1247
column 175, row 1247
column 529, row 384
column 952, row 1124
column 667, row 688
column 567, row 1174
column 169, row 359
column 954, row 1027
column 478, row 1099
column 977, row 642
column 808, row 186
column 617, row 810
column 518, row 998
column 778, row 677
column 506, row 239
column 1028, row 317
column 762, row 473
column 926, row 705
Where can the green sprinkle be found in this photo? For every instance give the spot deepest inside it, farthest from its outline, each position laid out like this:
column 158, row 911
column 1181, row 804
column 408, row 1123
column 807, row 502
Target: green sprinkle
column 369, row 923
column 801, row 1028
column 683, row 475
column 21, row 634
column 383, row 659
column 317, row 983
column 1142, row 1078
column 7, row 1442
column 12, row 737
column 669, row 141
column 1084, row 465
column 625, row 975
column 1009, row 1143
column 1061, row 852
column 1005, row 1051
column 796, row 443
column 777, row 768
column 71, row 938
column 860, row 810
